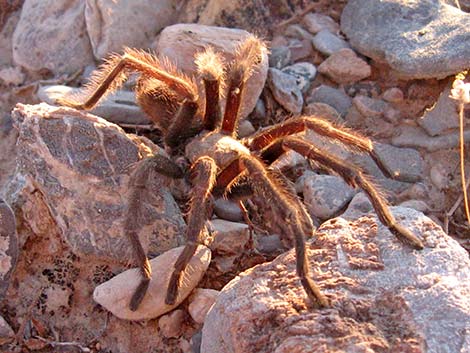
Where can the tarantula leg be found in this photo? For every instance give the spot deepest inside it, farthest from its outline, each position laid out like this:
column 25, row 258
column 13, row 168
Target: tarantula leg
column 204, row 172
column 267, row 184
column 179, row 129
column 138, row 193
column 248, row 56
column 211, row 69
column 355, row 177
column 293, row 126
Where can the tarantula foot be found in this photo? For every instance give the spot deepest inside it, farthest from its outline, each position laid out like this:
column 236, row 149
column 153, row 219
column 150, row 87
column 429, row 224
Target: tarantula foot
column 407, row 236
column 318, row 300
column 139, row 294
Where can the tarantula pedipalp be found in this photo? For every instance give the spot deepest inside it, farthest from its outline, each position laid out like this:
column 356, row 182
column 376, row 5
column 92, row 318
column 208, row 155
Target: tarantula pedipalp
column 218, row 159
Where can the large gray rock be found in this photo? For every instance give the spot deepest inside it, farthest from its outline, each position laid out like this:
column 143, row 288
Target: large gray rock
column 114, row 24
column 385, row 296
column 79, row 166
column 418, row 39
column 52, row 35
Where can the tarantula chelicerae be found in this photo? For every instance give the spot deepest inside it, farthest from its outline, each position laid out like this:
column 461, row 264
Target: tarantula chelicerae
column 218, row 159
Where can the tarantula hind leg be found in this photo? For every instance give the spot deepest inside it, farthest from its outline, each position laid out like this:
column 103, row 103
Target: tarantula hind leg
column 203, row 174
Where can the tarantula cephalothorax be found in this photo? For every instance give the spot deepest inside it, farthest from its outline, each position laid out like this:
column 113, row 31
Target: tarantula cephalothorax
column 221, row 160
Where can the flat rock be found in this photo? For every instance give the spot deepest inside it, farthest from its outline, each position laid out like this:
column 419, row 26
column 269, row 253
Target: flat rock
column 42, row 37
column 115, row 294
column 110, row 23
column 328, row 43
column 316, row 22
column 79, row 166
column 385, row 297
column 180, row 42
column 331, row 96
column 344, row 66
column 370, row 107
column 304, row 72
column 417, row 39
column 229, row 237
column 285, row 90
column 8, row 246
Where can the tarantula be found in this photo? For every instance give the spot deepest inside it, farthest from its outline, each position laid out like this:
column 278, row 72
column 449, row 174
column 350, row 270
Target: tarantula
column 221, row 164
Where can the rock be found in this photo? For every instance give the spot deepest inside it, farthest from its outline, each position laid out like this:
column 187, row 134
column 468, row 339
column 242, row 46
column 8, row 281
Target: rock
column 323, row 110
column 279, row 57
column 317, row 22
column 228, row 210
column 42, row 37
column 393, row 95
column 442, row 117
column 296, row 31
column 328, row 43
column 434, row 44
column 360, row 205
column 417, row 205
column 258, row 115
column 115, row 294
column 6, row 33
column 300, row 49
column 285, row 90
column 118, row 107
column 331, row 96
column 326, row 195
column 109, row 22
column 245, row 128
column 304, row 72
column 200, row 302
column 344, row 66
column 385, row 296
column 79, row 166
column 440, row 178
column 269, row 244
column 180, row 42
column 12, row 76
column 171, row 325
column 6, row 332
column 229, row 237
column 370, row 107
column 8, row 248
column 196, row 342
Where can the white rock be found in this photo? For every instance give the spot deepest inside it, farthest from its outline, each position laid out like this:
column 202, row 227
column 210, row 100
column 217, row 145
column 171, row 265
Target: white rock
column 116, row 293
column 229, row 237
column 201, row 301
column 180, row 42
column 114, row 24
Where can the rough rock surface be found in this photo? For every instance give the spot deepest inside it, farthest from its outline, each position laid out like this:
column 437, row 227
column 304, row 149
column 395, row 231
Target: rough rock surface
column 344, row 66
column 115, row 294
column 180, row 42
column 418, row 39
column 108, row 23
column 8, row 245
column 42, row 37
column 285, row 90
column 78, row 165
column 385, row 297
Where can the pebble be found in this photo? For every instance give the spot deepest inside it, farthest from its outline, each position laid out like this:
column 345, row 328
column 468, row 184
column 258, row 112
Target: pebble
column 245, row 128
column 8, row 246
column 296, row 31
column 326, row 195
column 344, row 67
column 229, row 237
column 269, row 244
column 304, row 72
column 370, row 107
column 171, row 325
column 331, row 96
column 279, row 57
column 393, row 95
column 359, row 206
column 300, row 49
column 417, row 205
column 328, row 43
column 439, row 177
column 316, row 22
column 323, row 110
column 201, row 301
column 12, row 76
column 115, row 294
column 228, row 210
column 285, row 90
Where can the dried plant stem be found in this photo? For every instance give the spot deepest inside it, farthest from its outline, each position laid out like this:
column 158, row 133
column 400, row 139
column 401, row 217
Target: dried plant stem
column 462, row 163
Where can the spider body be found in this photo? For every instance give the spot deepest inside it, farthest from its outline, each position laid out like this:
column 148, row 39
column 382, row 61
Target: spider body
column 221, row 164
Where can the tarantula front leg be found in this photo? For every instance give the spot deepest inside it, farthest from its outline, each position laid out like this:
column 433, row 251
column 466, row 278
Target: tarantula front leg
column 138, row 185
column 353, row 176
column 203, row 174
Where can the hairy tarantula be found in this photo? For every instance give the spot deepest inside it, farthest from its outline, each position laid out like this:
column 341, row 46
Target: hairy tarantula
column 218, row 159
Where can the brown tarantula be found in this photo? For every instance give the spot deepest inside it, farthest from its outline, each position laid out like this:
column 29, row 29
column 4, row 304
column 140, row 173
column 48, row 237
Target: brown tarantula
column 218, row 159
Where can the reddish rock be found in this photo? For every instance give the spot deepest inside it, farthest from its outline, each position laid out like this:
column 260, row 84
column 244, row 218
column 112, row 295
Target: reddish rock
column 344, row 66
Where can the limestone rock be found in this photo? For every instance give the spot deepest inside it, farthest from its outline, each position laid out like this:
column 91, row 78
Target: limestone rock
column 8, row 245
column 113, row 24
column 344, row 66
column 180, row 42
column 384, row 296
column 229, row 237
column 116, row 293
column 285, row 90
column 418, row 39
column 78, row 166
column 42, row 37
column 201, row 301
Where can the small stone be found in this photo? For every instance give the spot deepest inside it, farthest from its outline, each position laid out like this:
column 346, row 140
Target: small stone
column 298, row 32
column 200, row 302
column 285, row 90
column 304, row 72
column 8, row 246
column 12, row 76
column 300, row 49
column 331, row 96
column 279, row 57
column 326, row 195
column 316, row 22
column 196, row 342
column 370, row 107
column 6, row 332
column 228, row 210
column 353, row 118
column 171, row 325
column 417, row 205
column 328, row 43
column 439, row 177
column 229, row 237
column 322, row 110
column 442, row 117
column 269, row 244
column 258, row 115
column 115, row 294
column 392, row 115
column 359, row 206
column 344, row 66
column 245, row 128
column 393, row 95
